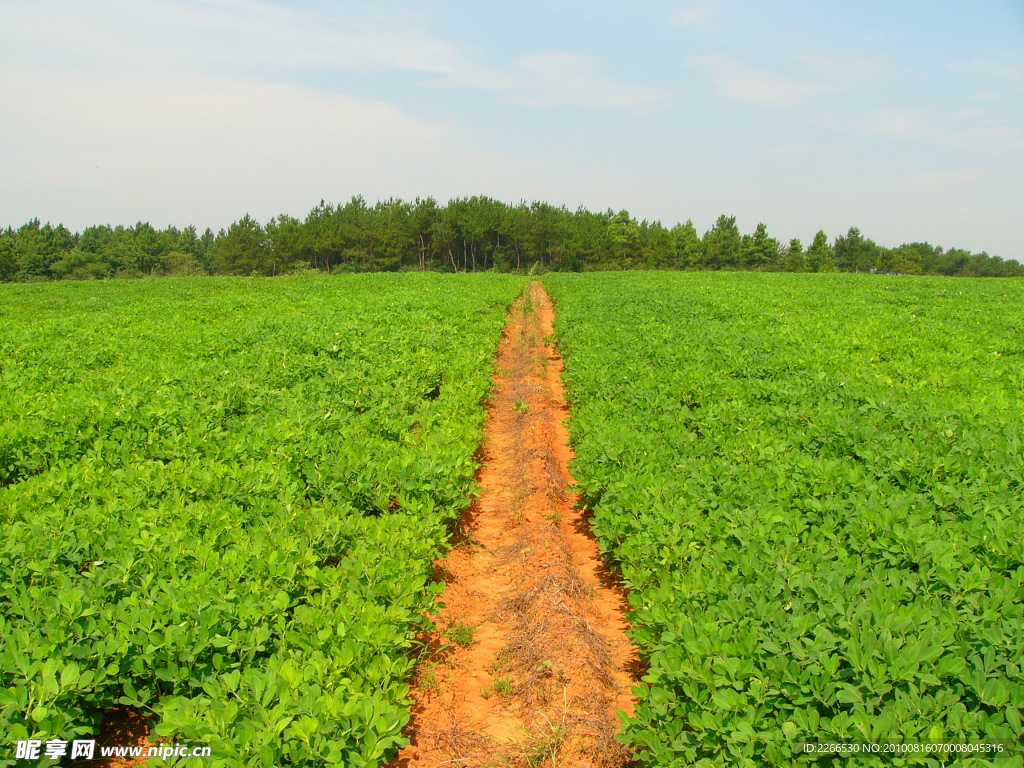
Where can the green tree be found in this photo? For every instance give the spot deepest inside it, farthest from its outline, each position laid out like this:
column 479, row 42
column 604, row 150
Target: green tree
column 688, row 251
column 204, row 250
column 97, row 240
column 721, row 244
column 795, row 260
column 855, row 253
column 467, row 234
column 32, row 252
column 124, row 253
column 624, row 236
column 352, row 229
column 8, row 262
column 547, row 235
column 586, row 244
column 242, row 250
column 188, row 239
column 424, row 217
column 286, row 243
column 929, row 258
column 393, row 239
column 518, row 226
column 77, row 264
column 760, row 251
column 149, row 248
column 323, row 238
column 182, row 263
column 657, row 249
column 898, row 261
column 984, row 265
column 820, row 256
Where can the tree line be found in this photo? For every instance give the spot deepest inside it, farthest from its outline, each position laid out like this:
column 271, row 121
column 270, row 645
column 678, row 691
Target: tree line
column 466, row 235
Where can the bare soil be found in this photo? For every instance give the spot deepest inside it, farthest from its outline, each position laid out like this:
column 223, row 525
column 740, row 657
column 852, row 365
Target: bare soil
column 530, row 662
column 121, row 727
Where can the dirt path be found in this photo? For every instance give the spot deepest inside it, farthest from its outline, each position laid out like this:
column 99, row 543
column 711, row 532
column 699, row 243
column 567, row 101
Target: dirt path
column 530, row 661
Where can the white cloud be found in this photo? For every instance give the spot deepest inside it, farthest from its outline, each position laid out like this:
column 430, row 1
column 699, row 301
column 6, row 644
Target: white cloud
column 208, row 149
column 1008, row 68
column 943, row 181
column 558, row 78
column 974, row 215
column 690, row 13
column 900, row 123
column 272, row 42
column 847, row 70
column 192, row 110
column 795, row 149
column 189, row 112
column 737, row 81
column 261, row 39
column 216, row 36
column 555, row 78
column 962, row 131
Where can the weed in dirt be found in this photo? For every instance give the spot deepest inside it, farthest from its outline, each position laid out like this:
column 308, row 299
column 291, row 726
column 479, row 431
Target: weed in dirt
column 464, row 538
column 527, row 304
column 430, row 682
column 519, row 495
column 543, row 748
column 521, row 406
column 502, row 663
column 461, row 634
column 502, row 686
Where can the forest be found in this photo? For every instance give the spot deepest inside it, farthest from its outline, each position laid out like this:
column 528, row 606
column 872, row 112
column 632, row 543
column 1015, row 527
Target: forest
column 467, row 235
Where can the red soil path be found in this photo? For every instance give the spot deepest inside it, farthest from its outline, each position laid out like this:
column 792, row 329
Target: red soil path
column 530, row 661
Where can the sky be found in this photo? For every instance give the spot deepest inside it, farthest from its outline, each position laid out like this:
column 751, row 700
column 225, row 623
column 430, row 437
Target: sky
column 905, row 119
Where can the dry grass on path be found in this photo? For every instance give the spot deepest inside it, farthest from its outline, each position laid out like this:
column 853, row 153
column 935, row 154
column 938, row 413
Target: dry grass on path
column 530, row 661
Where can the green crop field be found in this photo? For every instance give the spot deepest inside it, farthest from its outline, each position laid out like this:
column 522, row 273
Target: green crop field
column 814, row 487
column 221, row 499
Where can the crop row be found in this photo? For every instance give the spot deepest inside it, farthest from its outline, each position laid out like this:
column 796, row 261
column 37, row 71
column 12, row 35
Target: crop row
column 814, row 488
column 221, row 501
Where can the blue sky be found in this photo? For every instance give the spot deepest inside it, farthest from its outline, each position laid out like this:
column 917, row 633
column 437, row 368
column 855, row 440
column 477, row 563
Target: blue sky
column 903, row 118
